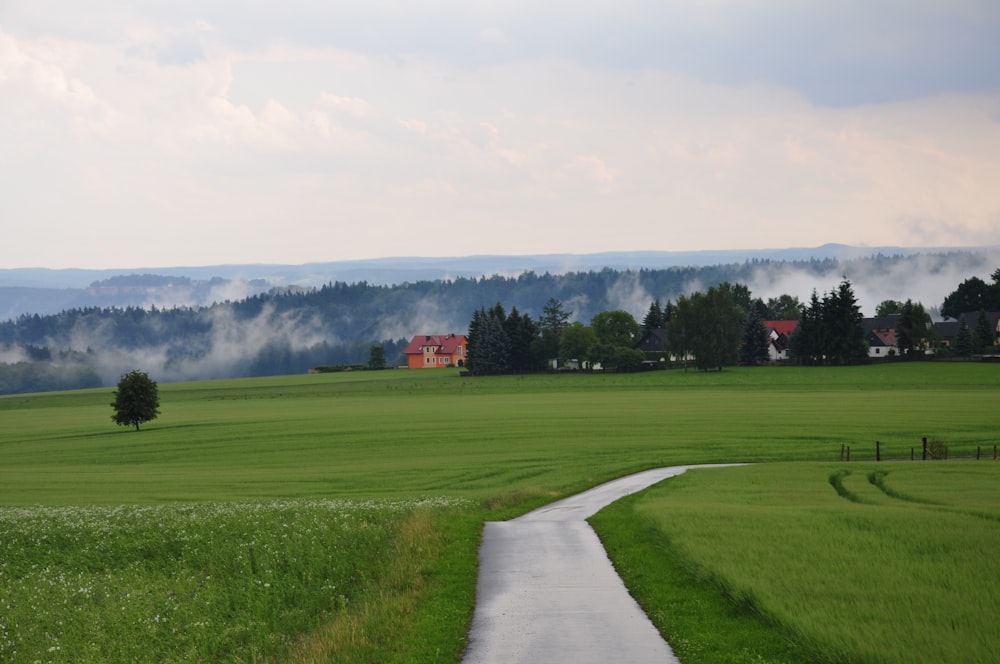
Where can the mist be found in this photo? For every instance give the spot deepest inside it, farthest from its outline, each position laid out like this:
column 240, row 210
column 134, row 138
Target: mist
column 924, row 278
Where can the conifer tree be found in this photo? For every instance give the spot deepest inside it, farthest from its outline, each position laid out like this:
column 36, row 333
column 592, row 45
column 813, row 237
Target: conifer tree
column 753, row 349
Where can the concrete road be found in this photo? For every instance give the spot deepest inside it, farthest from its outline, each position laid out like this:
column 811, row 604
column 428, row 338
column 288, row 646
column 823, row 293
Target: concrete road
column 547, row 592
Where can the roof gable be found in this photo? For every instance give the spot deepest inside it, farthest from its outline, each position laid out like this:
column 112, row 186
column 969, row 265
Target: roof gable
column 444, row 344
column 785, row 327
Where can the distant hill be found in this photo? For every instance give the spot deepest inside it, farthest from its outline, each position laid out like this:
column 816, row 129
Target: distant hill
column 45, row 291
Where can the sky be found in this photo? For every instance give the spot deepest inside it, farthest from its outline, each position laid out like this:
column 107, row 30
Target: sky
column 181, row 133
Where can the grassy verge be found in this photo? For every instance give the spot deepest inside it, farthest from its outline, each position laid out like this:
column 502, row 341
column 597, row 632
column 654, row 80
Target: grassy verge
column 838, row 563
column 696, row 616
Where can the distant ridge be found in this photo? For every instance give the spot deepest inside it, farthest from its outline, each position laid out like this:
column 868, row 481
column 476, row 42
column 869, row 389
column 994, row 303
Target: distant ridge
column 396, row 270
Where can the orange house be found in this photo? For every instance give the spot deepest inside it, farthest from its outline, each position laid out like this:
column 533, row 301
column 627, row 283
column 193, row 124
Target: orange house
column 436, row 350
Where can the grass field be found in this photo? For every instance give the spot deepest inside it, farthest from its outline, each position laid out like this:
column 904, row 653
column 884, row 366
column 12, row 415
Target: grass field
column 496, row 445
column 887, row 562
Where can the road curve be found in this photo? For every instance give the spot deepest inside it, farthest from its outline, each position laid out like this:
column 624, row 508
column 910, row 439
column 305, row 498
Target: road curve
column 547, row 592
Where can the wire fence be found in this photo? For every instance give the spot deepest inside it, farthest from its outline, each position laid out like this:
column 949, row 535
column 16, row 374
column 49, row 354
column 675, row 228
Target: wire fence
column 926, row 450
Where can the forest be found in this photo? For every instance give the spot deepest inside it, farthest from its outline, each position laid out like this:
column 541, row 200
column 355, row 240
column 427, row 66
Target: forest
column 294, row 330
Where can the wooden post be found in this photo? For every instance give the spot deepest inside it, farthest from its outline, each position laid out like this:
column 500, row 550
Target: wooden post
column 911, row 454
column 841, row 451
column 925, row 448
column 878, row 451
column 848, row 452
column 977, row 452
column 994, row 451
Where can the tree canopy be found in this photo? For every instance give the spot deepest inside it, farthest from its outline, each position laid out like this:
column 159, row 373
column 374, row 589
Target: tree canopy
column 973, row 294
column 136, row 400
column 709, row 326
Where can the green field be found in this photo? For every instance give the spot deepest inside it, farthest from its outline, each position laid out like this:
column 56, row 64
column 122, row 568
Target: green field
column 463, row 450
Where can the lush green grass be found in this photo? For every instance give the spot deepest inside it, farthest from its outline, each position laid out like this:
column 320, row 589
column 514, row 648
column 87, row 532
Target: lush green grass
column 504, row 444
column 412, row 433
column 865, row 562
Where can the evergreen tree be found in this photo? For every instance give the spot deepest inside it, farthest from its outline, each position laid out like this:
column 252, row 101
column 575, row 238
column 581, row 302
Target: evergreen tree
column 475, row 343
column 489, row 341
column 521, row 333
column 830, row 330
column 554, row 318
column 845, row 338
column 806, row 344
column 911, row 328
column 376, row 357
column 655, row 318
column 680, row 329
column 753, row 349
column 963, row 340
column 983, row 337
column 496, row 356
column 668, row 312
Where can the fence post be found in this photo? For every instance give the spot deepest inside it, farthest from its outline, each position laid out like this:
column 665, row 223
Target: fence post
column 977, row 452
column 925, row 448
column 848, row 452
column 878, row 451
column 841, row 451
column 911, row 454
column 994, row 451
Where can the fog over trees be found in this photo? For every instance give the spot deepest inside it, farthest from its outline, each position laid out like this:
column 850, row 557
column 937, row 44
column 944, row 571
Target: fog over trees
column 291, row 330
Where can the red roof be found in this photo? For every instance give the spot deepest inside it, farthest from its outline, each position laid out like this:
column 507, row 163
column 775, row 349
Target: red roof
column 886, row 337
column 785, row 327
column 444, row 343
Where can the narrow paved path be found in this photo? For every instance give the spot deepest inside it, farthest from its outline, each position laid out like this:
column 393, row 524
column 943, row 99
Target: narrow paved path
column 548, row 593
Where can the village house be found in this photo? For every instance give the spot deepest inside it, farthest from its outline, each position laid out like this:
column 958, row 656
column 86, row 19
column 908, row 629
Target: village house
column 779, row 334
column 880, row 333
column 427, row 351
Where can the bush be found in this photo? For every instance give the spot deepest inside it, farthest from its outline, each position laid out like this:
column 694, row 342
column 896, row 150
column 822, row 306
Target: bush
column 937, row 449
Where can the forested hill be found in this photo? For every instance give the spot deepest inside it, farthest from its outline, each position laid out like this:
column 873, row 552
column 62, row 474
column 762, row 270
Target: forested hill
column 292, row 330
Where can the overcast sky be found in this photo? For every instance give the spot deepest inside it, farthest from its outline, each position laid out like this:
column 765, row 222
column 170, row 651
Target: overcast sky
column 155, row 133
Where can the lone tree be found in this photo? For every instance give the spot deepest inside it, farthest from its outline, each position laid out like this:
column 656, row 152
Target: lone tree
column 137, row 400
column 376, row 357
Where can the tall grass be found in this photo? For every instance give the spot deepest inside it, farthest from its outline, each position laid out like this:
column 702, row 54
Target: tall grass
column 189, row 583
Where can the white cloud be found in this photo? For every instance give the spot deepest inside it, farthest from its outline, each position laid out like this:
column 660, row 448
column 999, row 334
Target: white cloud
column 198, row 133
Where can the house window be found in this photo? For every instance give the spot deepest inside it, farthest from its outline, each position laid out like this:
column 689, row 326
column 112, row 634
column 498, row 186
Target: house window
column 427, row 360
column 878, row 350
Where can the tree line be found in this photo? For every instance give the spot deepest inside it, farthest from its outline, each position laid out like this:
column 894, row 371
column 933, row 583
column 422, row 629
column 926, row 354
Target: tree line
column 719, row 327
column 294, row 329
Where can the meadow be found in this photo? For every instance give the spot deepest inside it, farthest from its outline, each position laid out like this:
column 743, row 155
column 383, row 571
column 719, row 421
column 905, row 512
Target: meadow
column 428, row 455
column 888, row 562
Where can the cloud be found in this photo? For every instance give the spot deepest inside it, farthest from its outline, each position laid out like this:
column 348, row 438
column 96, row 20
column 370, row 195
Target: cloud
column 494, row 36
column 311, row 132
